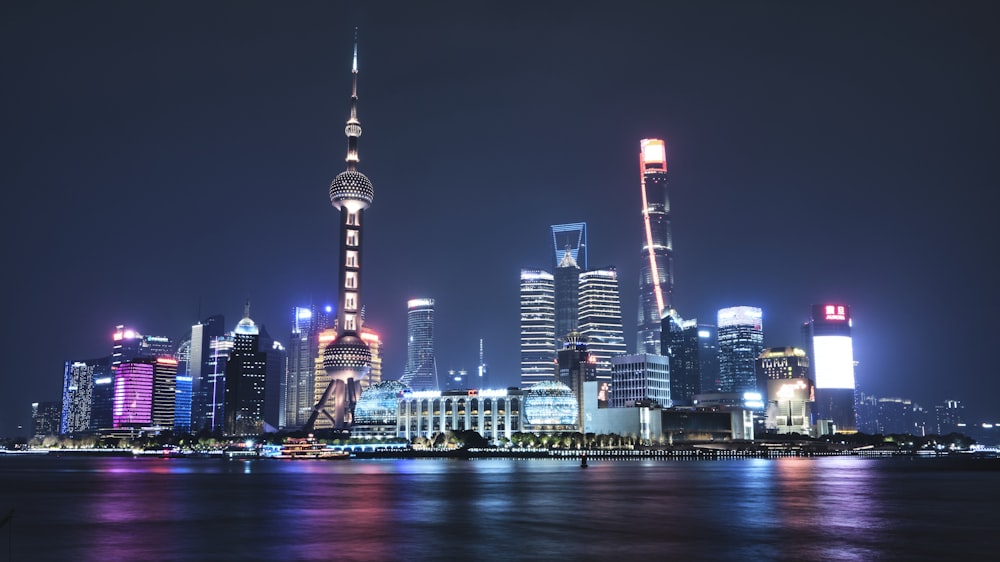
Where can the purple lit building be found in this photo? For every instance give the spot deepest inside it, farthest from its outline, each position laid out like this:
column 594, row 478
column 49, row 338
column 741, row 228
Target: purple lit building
column 133, row 399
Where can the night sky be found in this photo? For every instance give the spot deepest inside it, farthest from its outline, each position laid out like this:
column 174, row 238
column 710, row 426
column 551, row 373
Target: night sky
column 165, row 161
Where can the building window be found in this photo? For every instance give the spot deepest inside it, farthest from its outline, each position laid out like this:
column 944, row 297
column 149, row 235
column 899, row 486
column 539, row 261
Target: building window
column 350, row 301
column 352, row 237
column 352, row 219
column 350, row 322
column 352, row 259
column 351, row 280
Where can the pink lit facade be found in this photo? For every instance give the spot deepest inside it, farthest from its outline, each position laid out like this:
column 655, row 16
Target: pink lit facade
column 133, row 398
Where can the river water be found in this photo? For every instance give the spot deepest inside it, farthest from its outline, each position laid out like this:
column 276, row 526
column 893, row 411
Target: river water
column 830, row 508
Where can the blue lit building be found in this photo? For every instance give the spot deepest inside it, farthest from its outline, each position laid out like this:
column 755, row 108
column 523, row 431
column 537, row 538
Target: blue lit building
column 182, row 404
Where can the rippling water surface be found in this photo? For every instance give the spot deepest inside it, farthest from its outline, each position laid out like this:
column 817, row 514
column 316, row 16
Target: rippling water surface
column 833, row 508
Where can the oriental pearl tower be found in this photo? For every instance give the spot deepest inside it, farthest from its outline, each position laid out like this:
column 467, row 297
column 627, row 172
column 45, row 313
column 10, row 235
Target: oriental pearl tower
column 347, row 360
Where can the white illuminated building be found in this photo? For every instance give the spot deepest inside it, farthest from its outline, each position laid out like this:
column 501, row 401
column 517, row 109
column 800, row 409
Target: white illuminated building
column 828, row 337
column 538, row 327
column 494, row 414
column 600, row 320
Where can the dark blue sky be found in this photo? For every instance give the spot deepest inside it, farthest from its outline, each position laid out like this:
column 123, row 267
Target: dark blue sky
column 166, row 158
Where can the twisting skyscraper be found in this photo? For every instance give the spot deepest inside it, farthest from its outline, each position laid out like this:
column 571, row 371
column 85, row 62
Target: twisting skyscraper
column 656, row 274
column 348, row 359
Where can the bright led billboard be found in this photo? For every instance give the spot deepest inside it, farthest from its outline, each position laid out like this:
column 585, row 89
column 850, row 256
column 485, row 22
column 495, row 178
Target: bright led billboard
column 833, row 362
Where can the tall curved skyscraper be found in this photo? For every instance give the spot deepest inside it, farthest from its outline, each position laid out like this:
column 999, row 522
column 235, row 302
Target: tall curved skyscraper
column 347, row 359
column 656, row 274
column 421, row 370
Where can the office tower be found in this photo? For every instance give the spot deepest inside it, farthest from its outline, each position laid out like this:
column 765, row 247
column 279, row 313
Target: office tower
column 201, row 366
column 164, row 392
column 219, row 350
column 420, row 372
column 566, row 292
column 576, row 367
column 303, row 349
column 949, row 417
column 126, row 344
column 348, row 359
column 741, row 341
column 897, row 416
column 182, row 404
column 102, row 397
column 45, row 418
column 133, row 400
column 78, row 386
column 570, row 238
column 600, row 318
column 276, row 363
column 638, row 379
column 829, row 345
column 538, row 326
column 156, row 346
column 679, row 342
column 708, row 357
column 656, row 273
column 776, row 363
column 245, row 379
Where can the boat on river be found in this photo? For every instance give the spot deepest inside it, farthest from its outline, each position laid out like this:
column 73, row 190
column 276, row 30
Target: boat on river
column 304, row 449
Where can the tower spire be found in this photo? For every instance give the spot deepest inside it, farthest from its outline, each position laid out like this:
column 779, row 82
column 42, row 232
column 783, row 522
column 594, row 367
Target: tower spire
column 353, row 128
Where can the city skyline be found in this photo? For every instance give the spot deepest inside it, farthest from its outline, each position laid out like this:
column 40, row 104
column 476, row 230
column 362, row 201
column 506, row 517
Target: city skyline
column 169, row 167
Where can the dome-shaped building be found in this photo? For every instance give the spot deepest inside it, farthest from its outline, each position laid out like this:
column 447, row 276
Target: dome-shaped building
column 377, row 409
column 551, row 406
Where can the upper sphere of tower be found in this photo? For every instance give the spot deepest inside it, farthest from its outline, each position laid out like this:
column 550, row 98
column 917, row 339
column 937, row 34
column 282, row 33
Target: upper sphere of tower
column 351, row 185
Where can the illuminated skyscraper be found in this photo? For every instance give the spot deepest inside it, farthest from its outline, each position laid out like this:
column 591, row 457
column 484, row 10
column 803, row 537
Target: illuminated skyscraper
column 102, row 397
column 575, row 367
column 201, row 367
column 708, row 356
column 298, row 394
column 600, row 320
column 78, row 387
column 566, row 286
column 246, row 373
column 420, row 372
column 538, row 326
column 348, row 359
column 133, row 400
column 783, row 363
column 679, row 341
column 638, row 378
column 656, row 274
column 45, row 418
column 164, row 392
column 741, row 341
column 828, row 341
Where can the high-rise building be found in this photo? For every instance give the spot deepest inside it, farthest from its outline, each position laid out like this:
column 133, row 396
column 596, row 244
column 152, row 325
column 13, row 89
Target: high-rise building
column 303, row 350
column 374, row 341
column 656, row 273
column 45, row 418
column 636, row 379
column 276, row 365
column 789, row 405
column 182, row 404
column 741, row 341
column 219, row 350
column 102, row 398
column 575, row 367
column 348, row 359
column 164, row 392
column 201, row 367
column 421, row 368
column 571, row 238
column 538, row 326
column 679, row 341
column 600, row 318
column 79, row 379
column 133, row 400
column 831, row 350
column 708, row 356
column 566, row 292
column 246, row 373
column 949, row 417
column 126, row 344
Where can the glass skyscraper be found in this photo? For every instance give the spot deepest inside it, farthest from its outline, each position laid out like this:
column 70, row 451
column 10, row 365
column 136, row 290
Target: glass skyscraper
column 246, row 373
column 679, row 342
column 600, row 318
column 421, row 368
column 538, row 326
column 741, row 341
column 656, row 272
column 829, row 345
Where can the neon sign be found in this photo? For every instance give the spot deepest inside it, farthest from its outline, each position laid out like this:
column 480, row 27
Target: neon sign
column 835, row 312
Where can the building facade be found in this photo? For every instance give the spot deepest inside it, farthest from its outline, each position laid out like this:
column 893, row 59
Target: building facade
column 741, row 341
column 494, row 414
column 831, row 350
column 538, row 326
column 680, row 342
column 246, row 373
column 164, row 392
column 421, row 365
column 133, row 398
column 600, row 319
column 640, row 379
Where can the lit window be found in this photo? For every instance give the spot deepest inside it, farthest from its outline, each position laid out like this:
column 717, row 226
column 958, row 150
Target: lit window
column 352, row 237
column 352, row 259
column 352, row 219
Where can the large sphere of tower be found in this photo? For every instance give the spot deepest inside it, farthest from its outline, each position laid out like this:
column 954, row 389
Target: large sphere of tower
column 347, row 357
column 351, row 189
